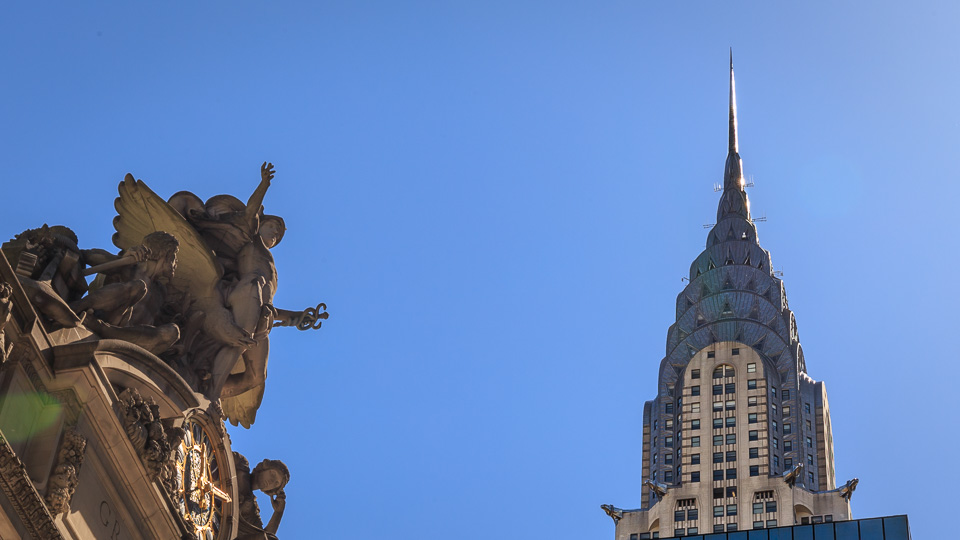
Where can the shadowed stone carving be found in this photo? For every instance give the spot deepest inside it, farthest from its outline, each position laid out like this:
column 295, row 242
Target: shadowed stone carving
column 193, row 283
column 63, row 482
column 141, row 421
column 269, row 476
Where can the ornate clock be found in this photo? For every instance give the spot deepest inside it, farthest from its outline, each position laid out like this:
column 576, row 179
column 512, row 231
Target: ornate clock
column 202, row 482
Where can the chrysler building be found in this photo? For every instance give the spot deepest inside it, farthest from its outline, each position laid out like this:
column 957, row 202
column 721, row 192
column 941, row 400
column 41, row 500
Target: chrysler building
column 738, row 436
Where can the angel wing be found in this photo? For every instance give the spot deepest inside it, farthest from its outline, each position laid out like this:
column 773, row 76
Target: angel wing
column 141, row 212
column 242, row 408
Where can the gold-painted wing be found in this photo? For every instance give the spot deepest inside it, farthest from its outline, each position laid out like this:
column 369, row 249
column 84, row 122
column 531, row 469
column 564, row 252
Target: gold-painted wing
column 141, row 212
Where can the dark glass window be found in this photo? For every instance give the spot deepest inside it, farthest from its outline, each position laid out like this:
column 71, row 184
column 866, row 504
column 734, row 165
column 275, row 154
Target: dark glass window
column 735, row 352
column 718, row 423
column 679, row 532
column 806, row 407
column 695, row 424
column 785, row 395
column 692, row 531
column 788, row 463
column 717, row 440
column 730, row 388
column 718, row 474
column 668, row 408
column 692, row 514
column 668, row 476
column 809, row 459
column 752, row 384
column 694, row 441
column 695, row 374
column 718, row 493
column 731, row 526
column 754, row 453
column 679, row 515
column 718, row 527
column 717, row 389
column 731, row 438
column 694, row 390
column 731, row 404
column 787, row 429
column 752, row 418
column 771, row 506
column 711, row 354
column 694, row 459
column 668, row 458
column 731, row 421
column 668, row 441
column 718, row 405
column 732, row 491
column 731, row 509
column 731, row 474
column 717, row 511
column 787, row 445
column 773, row 391
column 758, row 508
column 757, row 524
column 732, row 455
column 752, row 401
column 809, row 442
column 718, row 457
column 754, row 470
column 754, row 435
column 695, row 476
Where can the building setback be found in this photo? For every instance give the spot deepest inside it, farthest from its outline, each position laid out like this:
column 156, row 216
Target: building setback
column 739, row 435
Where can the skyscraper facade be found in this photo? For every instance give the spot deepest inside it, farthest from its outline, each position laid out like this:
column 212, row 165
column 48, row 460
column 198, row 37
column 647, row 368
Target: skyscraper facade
column 738, row 436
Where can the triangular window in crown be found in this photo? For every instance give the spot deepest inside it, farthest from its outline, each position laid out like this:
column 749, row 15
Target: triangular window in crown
column 739, row 336
column 729, row 259
column 727, row 284
column 760, row 343
column 701, row 320
column 727, row 310
column 710, row 265
column 730, row 235
column 755, row 310
column 746, row 261
column 698, row 272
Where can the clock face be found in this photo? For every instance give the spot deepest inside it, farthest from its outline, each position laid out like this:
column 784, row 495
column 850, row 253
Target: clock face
column 201, row 491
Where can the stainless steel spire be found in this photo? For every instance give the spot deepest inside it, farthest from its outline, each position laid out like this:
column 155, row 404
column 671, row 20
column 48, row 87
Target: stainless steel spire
column 733, row 109
column 734, row 199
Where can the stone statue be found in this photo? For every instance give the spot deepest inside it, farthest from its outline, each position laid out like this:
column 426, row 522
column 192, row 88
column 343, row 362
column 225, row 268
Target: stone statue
column 226, row 279
column 63, row 482
column 269, row 476
column 193, row 283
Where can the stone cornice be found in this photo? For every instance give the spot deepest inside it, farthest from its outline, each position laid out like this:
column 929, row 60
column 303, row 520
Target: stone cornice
column 24, row 497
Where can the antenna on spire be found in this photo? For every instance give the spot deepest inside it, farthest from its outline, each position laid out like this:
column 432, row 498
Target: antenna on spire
column 732, row 147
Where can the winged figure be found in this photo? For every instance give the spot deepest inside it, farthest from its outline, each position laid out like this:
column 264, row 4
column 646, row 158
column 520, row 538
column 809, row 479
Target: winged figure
column 224, row 278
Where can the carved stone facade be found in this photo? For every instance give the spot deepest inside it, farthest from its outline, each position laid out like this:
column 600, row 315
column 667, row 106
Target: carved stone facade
column 63, row 481
column 118, row 371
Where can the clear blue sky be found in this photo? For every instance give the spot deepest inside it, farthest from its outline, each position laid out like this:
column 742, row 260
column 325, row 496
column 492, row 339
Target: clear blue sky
column 497, row 201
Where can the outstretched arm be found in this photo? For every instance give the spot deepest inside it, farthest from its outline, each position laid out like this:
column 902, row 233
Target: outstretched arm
column 255, row 203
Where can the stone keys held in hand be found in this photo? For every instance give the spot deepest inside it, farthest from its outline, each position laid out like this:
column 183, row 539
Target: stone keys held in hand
column 193, row 284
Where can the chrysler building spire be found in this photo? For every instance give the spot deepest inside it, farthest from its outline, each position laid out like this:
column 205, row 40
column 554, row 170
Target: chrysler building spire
column 734, row 200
